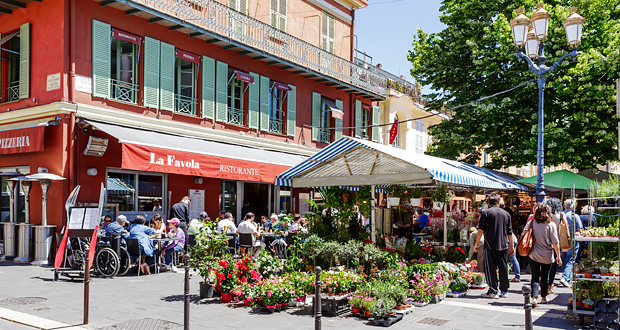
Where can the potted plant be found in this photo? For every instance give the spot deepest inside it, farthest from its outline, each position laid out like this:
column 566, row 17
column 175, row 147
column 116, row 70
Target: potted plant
column 357, row 302
column 416, row 196
column 441, row 196
column 311, row 248
column 588, row 303
column 225, row 278
column 204, row 255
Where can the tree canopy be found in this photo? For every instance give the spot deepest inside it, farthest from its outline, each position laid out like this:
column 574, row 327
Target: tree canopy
column 474, row 56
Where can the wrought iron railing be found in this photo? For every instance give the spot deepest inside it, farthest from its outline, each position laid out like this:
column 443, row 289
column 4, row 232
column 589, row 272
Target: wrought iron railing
column 235, row 116
column 275, row 125
column 13, row 91
column 324, row 135
column 231, row 24
column 124, row 91
column 185, row 104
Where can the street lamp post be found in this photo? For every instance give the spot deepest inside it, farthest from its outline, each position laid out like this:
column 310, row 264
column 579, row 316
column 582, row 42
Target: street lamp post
column 533, row 42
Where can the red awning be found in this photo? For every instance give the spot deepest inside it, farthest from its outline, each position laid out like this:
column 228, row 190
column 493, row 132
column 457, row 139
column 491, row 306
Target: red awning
column 244, row 77
column 22, row 140
column 283, row 87
column 188, row 56
column 118, row 34
column 145, row 158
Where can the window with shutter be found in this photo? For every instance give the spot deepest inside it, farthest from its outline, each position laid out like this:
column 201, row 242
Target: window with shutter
column 338, row 122
column 375, row 122
column 166, row 76
column 235, row 99
column 24, row 61
column 254, row 102
column 123, row 80
column 151, row 72
column 101, row 59
column 278, row 14
column 419, row 136
column 185, row 87
column 358, row 118
column 12, row 58
column 238, row 24
column 222, row 92
column 208, row 87
column 316, row 115
column 276, row 108
column 328, row 26
column 291, row 114
column 264, row 103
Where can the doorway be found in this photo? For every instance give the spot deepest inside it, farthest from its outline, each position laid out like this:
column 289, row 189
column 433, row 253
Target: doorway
column 257, row 195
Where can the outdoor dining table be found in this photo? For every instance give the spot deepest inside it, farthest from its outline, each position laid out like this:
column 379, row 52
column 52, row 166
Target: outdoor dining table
column 162, row 240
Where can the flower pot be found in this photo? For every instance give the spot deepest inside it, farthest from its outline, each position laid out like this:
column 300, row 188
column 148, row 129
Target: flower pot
column 206, row 290
column 586, row 306
column 588, row 275
column 345, row 197
column 438, row 205
column 368, row 314
column 356, row 310
column 415, row 201
column 579, row 304
column 278, row 307
column 301, row 299
column 226, row 297
column 393, row 201
column 247, row 302
column 270, row 309
column 331, row 294
column 402, row 307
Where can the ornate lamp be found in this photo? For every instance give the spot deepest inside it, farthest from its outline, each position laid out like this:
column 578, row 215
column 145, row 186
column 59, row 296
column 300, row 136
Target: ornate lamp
column 573, row 26
column 531, row 45
column 519, row 26
column 540, row 21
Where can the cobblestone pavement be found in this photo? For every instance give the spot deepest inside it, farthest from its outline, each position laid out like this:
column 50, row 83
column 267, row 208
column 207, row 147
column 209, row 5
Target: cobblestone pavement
column 30, row 296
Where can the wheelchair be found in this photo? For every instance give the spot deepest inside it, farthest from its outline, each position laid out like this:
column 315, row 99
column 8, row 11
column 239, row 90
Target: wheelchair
column 111, row 259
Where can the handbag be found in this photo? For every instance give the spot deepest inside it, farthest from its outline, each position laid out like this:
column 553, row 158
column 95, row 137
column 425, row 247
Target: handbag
column 526, row 242
column 565, row 238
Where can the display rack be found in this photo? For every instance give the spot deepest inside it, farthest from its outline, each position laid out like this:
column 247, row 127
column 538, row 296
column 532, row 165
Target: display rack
column 592, row 201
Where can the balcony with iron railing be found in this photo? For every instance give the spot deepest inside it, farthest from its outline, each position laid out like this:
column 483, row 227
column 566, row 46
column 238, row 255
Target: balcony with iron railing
column 209, row 17
column 185, row 105
column 235, row 116
column 275, row 125
column 13, row 91
column 324, row 135
column 124, row 91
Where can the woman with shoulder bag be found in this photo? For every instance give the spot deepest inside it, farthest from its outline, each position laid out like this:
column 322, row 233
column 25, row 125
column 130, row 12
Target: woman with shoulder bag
column 546, row 242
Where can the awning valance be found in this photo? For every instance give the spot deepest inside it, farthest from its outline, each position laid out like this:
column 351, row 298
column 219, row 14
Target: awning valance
column 147, row 150
column 351, row 161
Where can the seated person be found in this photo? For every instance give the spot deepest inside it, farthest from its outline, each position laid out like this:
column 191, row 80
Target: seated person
column 295, row 226
column 174, row 246
column 158, row 224
column 421, row 221
column 141, row 232
column 196, row 225
column 248, row 227
column 106, row 222
column 273, row 219
column 226, row 225
column 118, row 228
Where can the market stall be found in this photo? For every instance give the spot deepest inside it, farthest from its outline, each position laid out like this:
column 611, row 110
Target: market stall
column 355, row 162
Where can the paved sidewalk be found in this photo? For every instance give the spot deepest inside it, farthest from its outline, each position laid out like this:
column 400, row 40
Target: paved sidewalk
column 156, row 302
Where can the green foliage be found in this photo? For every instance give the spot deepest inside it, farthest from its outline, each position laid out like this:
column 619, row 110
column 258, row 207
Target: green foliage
column 474, row 57
column 207, row 250
column 311, row 247
column 294, row 260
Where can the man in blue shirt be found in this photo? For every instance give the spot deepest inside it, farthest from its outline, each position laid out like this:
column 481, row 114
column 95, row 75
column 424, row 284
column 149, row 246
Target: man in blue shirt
column 574, row 224
column 141, row 232
column 421, row 222
column 117, row 228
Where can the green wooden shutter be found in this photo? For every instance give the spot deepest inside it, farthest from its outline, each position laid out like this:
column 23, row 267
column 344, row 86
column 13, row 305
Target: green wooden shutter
column 291, row 113
column 282, row 16
column 101, row 59
column 316, row 115
column 151, row 72
column 166, row 76
column 24, row 61
column 208, row 87
column 338, row 122
column 358, row 118
column 375, row 121
column 253, row 102
column 221, row 94
column 264, row 103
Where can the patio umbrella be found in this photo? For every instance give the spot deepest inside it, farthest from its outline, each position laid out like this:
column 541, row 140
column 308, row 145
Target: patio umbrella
column 562, row 179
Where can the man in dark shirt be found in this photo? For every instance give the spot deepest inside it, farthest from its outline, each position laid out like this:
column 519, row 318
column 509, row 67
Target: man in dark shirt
column 180, row 211
column 245, row 210
column 497, row 229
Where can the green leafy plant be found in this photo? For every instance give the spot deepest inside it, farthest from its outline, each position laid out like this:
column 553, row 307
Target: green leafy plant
column 207, row 251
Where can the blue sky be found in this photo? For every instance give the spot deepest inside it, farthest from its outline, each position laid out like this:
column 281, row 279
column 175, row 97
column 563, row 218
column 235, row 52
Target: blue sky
column 385, row 30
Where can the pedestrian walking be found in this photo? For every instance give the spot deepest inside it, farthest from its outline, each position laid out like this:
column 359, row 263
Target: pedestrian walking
column 495, row 225
column 546, row 243
column 473, row 233
column 569, row 256
column 558, row 217
column 516, row 267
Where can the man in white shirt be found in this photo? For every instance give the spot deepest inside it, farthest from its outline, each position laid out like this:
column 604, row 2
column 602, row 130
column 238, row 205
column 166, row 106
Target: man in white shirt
column 227, row 225
column 295, row 227
column 248, row 227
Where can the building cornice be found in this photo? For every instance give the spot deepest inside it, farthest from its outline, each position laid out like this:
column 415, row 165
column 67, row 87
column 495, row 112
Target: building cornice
column 332, row 10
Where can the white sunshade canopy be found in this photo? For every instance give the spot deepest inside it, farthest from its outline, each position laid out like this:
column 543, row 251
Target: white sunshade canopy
column 354, row 162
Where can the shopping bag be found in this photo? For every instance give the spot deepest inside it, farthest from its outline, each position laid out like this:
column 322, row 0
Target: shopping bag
column 526, row 242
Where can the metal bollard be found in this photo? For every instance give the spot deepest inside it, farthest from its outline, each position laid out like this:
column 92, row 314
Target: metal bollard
column 317, row 299
column 86, row 283
column 186, row 293
column 528, row 307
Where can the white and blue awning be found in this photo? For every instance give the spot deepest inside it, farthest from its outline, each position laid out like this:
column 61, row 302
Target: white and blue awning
column 355, row 162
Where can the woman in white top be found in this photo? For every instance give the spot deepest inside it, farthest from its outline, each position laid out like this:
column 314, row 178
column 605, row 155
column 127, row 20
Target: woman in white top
column 248, row 227
column 157, row 223
column 558, row 217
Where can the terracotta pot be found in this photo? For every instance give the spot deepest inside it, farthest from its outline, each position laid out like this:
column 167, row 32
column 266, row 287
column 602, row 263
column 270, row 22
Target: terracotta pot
column 588, row 306
column 226, row 297
column 402, row 307
column 356, row 310
column 588, row 275
column 345, row 197
column 331, row 294
column 579, row 304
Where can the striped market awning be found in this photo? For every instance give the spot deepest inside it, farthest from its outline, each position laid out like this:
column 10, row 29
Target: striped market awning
column 355, row 162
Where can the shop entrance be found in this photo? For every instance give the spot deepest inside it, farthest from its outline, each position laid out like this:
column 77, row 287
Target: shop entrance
column 257, row 194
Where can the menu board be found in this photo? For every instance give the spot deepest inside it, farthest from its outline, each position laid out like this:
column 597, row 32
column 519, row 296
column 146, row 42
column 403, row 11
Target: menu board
column 84, row 218
column 197, row 203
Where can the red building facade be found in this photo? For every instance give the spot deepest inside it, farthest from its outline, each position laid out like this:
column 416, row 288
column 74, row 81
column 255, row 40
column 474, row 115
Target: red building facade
column 161, row 99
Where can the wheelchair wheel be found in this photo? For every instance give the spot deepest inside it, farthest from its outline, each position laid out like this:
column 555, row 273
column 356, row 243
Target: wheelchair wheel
column 106, row 262
column 125, row 262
